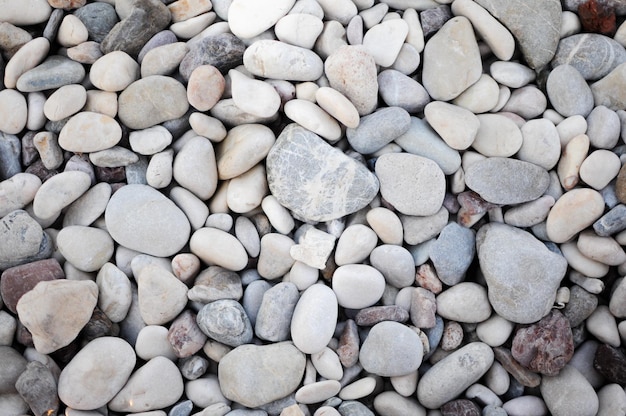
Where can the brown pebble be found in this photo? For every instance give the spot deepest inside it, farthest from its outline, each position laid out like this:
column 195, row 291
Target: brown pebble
column 18, row 280
column 460, row 407
column 521, row 374
column 620, row 185
column 185, row 335
column 348, row 350
column 423, row 308
column 99, row 325
column 611, row 363
column 67, row 4
column 427, row 278
column 452, row 336
column 38, row 169
column 375, row 314
column 111, row 175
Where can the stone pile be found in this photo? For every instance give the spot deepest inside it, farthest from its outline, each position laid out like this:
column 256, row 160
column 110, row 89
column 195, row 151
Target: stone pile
column 312, row 207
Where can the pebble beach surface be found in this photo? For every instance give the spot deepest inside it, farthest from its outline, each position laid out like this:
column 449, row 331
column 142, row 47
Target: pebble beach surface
column 312, row 207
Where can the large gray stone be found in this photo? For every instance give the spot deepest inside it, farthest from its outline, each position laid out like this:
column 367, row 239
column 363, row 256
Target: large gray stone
column 522, row 274
column 53, row 73
column 22, row 240
column 315, row 180
column 257, row 375
column 391, row 349
column 536, row 24
column 593, row 55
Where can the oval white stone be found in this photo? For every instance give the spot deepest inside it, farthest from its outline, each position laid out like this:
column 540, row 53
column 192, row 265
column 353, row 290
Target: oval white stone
column 217, row 247
column 58, row 192
column 358, row 286
column 314, row 319
column 104, row 133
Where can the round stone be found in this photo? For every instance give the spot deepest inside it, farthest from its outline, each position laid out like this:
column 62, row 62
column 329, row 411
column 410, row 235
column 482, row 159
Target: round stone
column 195, row 168
column 249, row 18
column 391, row 349
column 568, row 91
column 464, row 302
column 314, row 319
column 58, row 192
column 395, row 263
column 205, row 87
column 253, row 96
column 355, row 244
column 65, row 102
column 142, row 219
column 105, row 133
column 13, row 111
column 218, row 247
column 357, row 286
column 114, row 71
column 573, row 212
column 243, row 148
column 86, row 248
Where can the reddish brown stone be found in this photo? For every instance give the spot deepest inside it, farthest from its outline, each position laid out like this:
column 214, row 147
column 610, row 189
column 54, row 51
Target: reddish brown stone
column 524, row 376
column 611, row 363
column 29, row 152
column 38, row 169
column 620, row 185
column 427, row 278
column 546, row 346
column 375, row 314
column 67, row 4
column 461, row 407
column 185, row 335
column 18, row 280
column 348, row 350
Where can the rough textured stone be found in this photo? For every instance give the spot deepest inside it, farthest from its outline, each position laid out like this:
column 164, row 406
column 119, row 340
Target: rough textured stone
column 257, row 375
column 13, row 364
column 273, row 320
column 225, row 321
column 223, row 51
column 611, row 363
column 378, row 129
column 38, row 387
column 460, row 407
column 301, row 164
column 22, row 240
column 546, row 346
column 185, row 336
column 581, row 304
column 376, row 314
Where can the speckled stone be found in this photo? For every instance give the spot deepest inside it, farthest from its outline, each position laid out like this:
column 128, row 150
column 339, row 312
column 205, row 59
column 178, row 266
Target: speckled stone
column 99, row 18
column 223, row 51
column 225, row 321
column 611, row 363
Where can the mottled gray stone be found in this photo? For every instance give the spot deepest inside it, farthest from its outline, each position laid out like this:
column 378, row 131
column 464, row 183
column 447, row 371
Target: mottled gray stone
column 610, row 91
column 215, row 283
column 273, row 320
column 354, row 408
column 433, row 18
column 53, row 73
column 568, row 91
column 10, row 151
column 12, row 364
column 592, row 54
column 146, row 18
column 22, row 240
column 581, row 304
column 522, row 274
column 52, row 26
column 391, row 349
column 315, row 180
column 536, row 24
column 452, row 253
column 225, row 321
column 507, row 181
column 378, row 129
column 612, row 222
column 224, row 51
column 399, row 90
column 38, row 388
column 99, row 18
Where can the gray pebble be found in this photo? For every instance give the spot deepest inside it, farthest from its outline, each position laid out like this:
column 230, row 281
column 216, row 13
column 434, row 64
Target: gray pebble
column 193, row 367
column 253, row 298
column 568, row 91
column 453, row 252
column 56, row 71
column 612, row 222
column 603, row 127
column 378, row 129
column 99, row 18
column 399, row 90
column 215, row 283
column 164, row 37
column 52, row 26
column 273, row 320
column 593, row 55
column 225, row 321
column 224, row 51
column 10, row 151
column 354, row 408
column 136, row 172
column 38, row 388
column 580, row 306
column 12, row 364
column 181, row 409
column 432, row 19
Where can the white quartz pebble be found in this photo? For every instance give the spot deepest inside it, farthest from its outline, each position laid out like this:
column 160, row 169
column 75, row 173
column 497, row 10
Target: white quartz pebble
column 355, row 244
column 72, row 31
column 583, row 264
column 599, row 168
column 458, row 135
column 217, row 247
column 601, row 324
column 13, row 108
column 314, row 319
column 386, row 224
column 150, row 141
column 299, row 29
column 385, row 40
column 358, row 286
column 114, row 71
column 278, row 215
column 249, row 18
column 312, row 117
column 253, row 96
column 337, row 105
column 60, row 191
column 152, row 342
column 65, row 102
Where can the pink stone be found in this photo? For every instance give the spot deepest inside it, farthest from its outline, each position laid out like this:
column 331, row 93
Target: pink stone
column 18, row 280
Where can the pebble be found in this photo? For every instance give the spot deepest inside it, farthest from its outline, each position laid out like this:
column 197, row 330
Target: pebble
column 86, row 248
column 205, row 391
column 314, row 248
column 27, row 57
column 274, row 316
column 494, row 331
column 327, row 364
column 459, row 135
column 310, row 116
column 375, row 314
column 54, row 72
column 449, row 70
column 18, row 191
column 481, row 96
column 540, row 144
column 384, row 41
column 534, row 291
column 318, row 391
column 13, row 364
column 58, row 192
column 511, row 74
column 562, row 80
column 255, row 375
column 391, row 349
column 355, row 244
column 299, row 29
column 592, row 54
column 452, row 253
column 275, row 258
column 13, row 106
column 248, row 19
column 295, row 192
column 224, row 51
column 386, row 224
column 262, row 59
column 603, row 127
column 226, row 322
column 357, row 286
column 395, row 263
column 99, row 18
column 497, row 136
column 612, row 399
column 155, row 385
column 602, row 325
column 195, row 168
column 464, row 302
column 603, row 249
column 109, row 133
column 35, row 308
column 114, row 292
column 569, row 392
column 253, row 96
column 399, row 90
column 521, row 405
column 588, row 206
column 314, row 319
column 96, row 374
column 378, row 129
column 38, row 387
column 161, row 295
column 610, row 363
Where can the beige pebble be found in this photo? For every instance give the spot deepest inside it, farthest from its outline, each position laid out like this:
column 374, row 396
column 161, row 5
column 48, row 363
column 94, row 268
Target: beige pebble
column 13, row 111
column 253, row 96
column 65, row 102
column 581, row 263
column 497, row 136
column 456, row 125
column 195, row 168
column 275, row 259
column 58, row 192
column 207, row 126
column 337, row 105
column 105, row 133
column 279, row 216
column 72, row 31
column 159, row 172
column 479, row 97
column 36, row 118
column 386, row 224
column 217, row 247
column 194, row 208
column 384, row 41
column 228, row 113
column 17, row 191
column 573, row 212
column 114, row 71
column 26, row 58
column 243, row 148
column 103, row 102
column 163, row 60
column 358, row 389
column 191, row 27
column 182, row 10
column 603, row 249
column 306, row 91
column 246, row 191
column 299, row 29
column 86, row 53
column 150, row 141
column 603, row 326
column 570, row 128
column 573, row 156
column 205, row 88
column 599, row 168
column 355, row 244
column 312, row 117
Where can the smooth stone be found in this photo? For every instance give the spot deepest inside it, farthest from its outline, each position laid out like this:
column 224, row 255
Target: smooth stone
column 452, row 253
column 607, row 91
column 384, row 41
column 53, row 73
column 257, row 375
column 115, row 293
column 360, row 85
column 85, row 53
column 494, row 331
column 49, row 150
column 399, row 90
column 215, row 283
column 207, row 126
column 522, row 404
column 314, row 319
column 226, row 322
column 610, row 362
column 18, row 191
column 529, row 213
column 394, row 404
column 317, row 392
column 541, row 143
column 355, row 244
column 164, row 37
column 395, row 263
column 86, row 248
column 358, row 389
column 391, row 349
column 573, row 212
column 243, row 147
column 65, row 102
column 592, row 54
column 310, row 116
column 161, row 295
column 357, row 286
column 25, row 58
column 152, row 342
column 293, row 191
column 142, row 219
column 18, row 280
column 414, row 185
column 418, row 229
column 195, row 168
column 386, row 224
column 612, row 400
column 101, row 102
column 273, row 319
column 574, row 153
column 29, row 12
column 78, row 300
column 511, row 74
column 150, row 141
column 253, row 96
column 602, row 325
column 60, row 191
column 603, row 127
column 354, row 408
column 533, row 289
column 527, row 102
column 226, row 112
column 327, row 364
column 99, row 18
column 338, row 106
column 433, row 18
column 14, row 404
column 248, row 19
column 263, row 59
column 333, row 37
column 612, row 222
column 299, row 29
column 114, row 71
column 89, row 207
column 13, row 364
column 599, row 168
column 480, row 97
column 224, row 51
column 71, row 31
column 377, row 129
column 459, row 135
column 464, row 302
column 449, row 70
column 275, row 257
column 341, row 10
column 12, row 38
column 71, row 138
column 155, row 385
column 569, row 392
column 113, row 157
column 497, row 136
column 453, row 374
column 14, row 110
column 562, row 81
column 205, row 391
column 205, row 87
column 215, row 246
column 152, row 100
column 616, row 303
column 145, row 19
column 96, row 374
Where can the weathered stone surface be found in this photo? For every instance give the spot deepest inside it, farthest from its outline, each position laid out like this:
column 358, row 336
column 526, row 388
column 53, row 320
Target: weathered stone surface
column 18, row 280
column 257, row 375
column 225, row 321
column 224, row 52
column 22, row 240
column 146, row 18
column 316, row 181
column 161, row 295
column 546, row 346
column 391, row 349
column 581, row 304
column 38, row 387
column 273, row 320
column 592, row 54
column 185, row 336
column 522, row 274
column 609, row 91
column 611, row 363
column 376, row 314
column 348, row 350
column 460, row 407
column 536, row 25
column 99, row 18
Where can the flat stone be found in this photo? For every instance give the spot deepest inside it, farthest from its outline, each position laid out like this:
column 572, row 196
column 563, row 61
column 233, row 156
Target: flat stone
column 592, row 54
column 114, row 71
column 452, row 253
column 273, row 320
column 399, row 90
column 152, row 100
column 414, row 185
column 535, row 25
column 338, row 106
column 141, row 218
column 451, row 60
column 378, row 129
column 295, row 191
column 562, row 82
column 316, row 392
column 225, row 321
column 146, row 18
column 263, row 58
column 299, row 29
column 248, row 19
column 223, row 51
column 583, row 207
column 515, row 182
column 569, row 392
column 257, row 375
column 56, row 311
column 607, row 91
column 14, row 110
column 391, row 349
column 58, row 192
column 161, row 295
column 480, row 97
column 314, row 319
column 53, row 73
column 526, row 291
column 360, row 83
column 107, row 132
column 86, row 248
column 357, row 285
column 97, row 373
column 452, row 375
